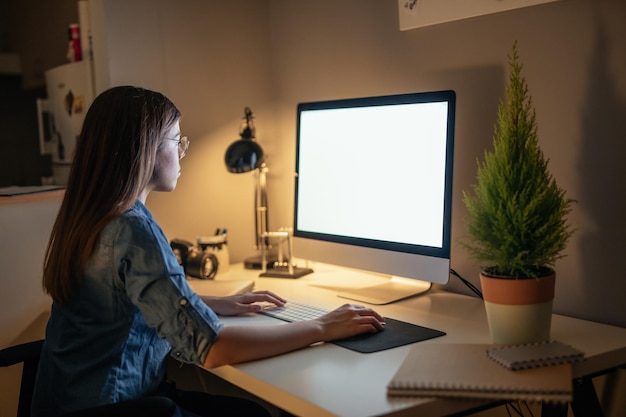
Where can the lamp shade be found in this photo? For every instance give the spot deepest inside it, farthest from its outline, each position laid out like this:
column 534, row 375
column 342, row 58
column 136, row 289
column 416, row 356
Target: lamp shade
column 244, row 155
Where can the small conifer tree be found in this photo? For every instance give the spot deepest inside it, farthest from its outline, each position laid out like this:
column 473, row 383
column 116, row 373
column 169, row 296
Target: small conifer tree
column 517, row 223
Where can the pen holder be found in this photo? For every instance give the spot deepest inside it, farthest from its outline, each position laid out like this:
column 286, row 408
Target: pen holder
column 217, row 245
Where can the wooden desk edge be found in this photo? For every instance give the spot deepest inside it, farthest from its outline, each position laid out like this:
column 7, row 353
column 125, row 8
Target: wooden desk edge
column 288, row 402
column 600, row 363
column 55, row 195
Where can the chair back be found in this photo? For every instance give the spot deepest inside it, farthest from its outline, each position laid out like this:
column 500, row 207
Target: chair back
column 28, row 354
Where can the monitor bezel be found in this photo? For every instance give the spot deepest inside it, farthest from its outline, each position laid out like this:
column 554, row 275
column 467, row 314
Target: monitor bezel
column 448, row 96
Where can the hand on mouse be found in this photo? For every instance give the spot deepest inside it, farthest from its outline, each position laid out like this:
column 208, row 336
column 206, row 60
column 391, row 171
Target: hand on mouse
column 350, row 320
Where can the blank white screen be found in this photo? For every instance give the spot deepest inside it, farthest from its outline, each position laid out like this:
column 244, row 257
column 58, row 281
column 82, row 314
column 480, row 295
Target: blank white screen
column 374, row 172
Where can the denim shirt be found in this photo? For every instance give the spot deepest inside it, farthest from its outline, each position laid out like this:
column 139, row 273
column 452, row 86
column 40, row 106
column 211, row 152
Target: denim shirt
column 110, row 341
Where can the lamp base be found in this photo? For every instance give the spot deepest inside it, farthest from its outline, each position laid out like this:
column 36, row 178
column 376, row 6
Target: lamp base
column 256, row 262
column 284, row 272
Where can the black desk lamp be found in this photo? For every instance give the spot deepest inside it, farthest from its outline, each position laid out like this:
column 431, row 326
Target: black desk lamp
column 245, row 155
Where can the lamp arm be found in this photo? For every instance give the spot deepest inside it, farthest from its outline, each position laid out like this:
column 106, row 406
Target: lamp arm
column 260, row 207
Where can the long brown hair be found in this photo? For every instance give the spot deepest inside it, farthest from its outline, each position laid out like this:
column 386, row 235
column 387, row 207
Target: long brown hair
column 113, row 162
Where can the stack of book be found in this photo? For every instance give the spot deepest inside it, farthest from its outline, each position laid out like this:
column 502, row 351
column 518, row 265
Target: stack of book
column 538, row 372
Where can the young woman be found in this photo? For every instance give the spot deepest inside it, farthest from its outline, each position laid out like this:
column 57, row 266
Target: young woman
column 120, row 300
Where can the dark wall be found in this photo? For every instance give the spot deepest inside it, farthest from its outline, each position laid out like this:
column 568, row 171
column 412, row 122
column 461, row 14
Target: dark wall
column 20, row 162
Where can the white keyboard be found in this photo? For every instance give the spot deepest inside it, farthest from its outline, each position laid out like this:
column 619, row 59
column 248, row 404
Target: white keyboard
column 293, row 311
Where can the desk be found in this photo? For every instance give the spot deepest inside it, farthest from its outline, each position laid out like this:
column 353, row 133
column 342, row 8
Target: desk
column 327, row 380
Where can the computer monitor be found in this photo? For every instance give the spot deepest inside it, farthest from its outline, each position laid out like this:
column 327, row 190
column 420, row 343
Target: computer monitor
column 373, row 189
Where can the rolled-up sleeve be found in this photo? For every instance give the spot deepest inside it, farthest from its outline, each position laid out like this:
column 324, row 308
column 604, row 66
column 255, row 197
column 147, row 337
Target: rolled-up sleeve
column 156, row 285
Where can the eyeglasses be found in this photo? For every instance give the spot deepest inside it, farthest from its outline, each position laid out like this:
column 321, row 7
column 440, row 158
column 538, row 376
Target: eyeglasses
column 183, row 145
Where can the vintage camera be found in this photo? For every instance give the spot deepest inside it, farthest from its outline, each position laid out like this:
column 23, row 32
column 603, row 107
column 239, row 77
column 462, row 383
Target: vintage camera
column 196, row 261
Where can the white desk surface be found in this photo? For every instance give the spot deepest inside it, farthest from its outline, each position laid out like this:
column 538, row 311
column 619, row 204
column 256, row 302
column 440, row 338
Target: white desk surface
column 328, row 380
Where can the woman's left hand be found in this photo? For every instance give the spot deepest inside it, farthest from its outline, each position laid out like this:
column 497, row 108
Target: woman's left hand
column 242, row 303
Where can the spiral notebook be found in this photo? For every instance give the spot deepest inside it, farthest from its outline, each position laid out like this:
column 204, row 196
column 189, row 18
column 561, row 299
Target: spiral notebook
column 465, row 371
column 534, row 355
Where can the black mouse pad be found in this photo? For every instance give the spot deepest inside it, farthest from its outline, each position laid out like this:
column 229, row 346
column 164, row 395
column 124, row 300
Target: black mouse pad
column 396, row 333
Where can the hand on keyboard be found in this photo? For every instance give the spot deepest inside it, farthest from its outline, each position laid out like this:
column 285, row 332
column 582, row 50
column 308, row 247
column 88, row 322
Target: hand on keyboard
column 293, row 311
column 247, row 302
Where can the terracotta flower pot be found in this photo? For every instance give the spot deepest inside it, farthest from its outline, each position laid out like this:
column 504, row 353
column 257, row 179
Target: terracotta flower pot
column 518, row 310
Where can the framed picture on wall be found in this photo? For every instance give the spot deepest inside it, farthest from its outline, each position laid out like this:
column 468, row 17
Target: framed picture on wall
column 419, row 13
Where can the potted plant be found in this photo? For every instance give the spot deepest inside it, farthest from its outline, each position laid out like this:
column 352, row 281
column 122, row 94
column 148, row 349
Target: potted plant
column 517, row 226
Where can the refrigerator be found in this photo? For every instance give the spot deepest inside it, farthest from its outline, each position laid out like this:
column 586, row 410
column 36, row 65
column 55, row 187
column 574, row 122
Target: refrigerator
column 70, row 92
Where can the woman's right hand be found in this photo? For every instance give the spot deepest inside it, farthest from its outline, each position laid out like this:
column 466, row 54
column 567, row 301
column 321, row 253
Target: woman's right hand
column 237, row 344
column 350, row 320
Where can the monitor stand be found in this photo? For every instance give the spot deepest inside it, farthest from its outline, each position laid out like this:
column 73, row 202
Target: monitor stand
column 395, row 289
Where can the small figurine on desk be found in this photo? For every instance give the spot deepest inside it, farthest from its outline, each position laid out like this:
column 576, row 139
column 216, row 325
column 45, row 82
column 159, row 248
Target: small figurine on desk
column 121, row 303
